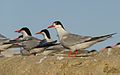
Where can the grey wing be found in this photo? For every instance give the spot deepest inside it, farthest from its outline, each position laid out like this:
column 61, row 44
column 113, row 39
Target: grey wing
column 30, row 43
column 31, row 38
column 2, row 36
column 3, row 39
column 72, row 39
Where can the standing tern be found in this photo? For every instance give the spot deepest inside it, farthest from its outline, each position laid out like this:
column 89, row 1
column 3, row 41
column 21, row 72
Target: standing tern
column 51, row 46
column 29, row 42
column 76, row 42
column 47, row 37
column 45, row 34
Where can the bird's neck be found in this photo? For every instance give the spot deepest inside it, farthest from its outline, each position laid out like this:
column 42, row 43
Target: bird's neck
column 61, row 32
column 46, row 38
column 24, row 34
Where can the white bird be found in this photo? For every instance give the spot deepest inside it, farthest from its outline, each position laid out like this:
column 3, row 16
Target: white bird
column 6, row 43
column 32, row 45
column 45, row 34
column 51, row 46
column 76, row 42
column 29, row 42
column 107, row 49
column 117, row 45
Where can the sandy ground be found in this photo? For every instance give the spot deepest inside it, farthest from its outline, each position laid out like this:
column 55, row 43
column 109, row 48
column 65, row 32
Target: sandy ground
column 102, row 63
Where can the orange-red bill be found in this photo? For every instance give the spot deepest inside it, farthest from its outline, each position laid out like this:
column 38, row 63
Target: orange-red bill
column 38, row 33
column 17, row 31
column 51, row 26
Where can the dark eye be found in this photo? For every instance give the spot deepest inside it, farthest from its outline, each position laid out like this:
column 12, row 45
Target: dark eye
column 57, row 23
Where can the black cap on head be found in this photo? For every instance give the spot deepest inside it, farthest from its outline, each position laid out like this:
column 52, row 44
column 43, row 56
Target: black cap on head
column 26, row 30
column 118, row 43
column 59, row 23
column 108, row 47
column 46, row 32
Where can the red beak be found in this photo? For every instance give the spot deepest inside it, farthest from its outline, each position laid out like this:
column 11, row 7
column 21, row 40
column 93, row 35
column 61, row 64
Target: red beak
column 51, row 26
column 18, row 31
column 38, row 33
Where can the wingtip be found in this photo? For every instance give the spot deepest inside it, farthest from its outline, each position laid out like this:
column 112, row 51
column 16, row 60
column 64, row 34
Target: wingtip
column 114, row 33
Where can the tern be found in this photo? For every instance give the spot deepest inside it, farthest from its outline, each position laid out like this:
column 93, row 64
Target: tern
column 29, row 42
column 117, row 45
column 76, row 42
column 32, row 44
column 6, row 43
column 51, row 46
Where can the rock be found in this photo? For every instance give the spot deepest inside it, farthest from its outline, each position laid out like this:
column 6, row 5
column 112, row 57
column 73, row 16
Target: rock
column 99, row 64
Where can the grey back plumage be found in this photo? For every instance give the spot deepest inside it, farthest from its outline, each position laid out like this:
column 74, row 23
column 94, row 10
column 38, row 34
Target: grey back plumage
column 30, row 42
column 3, row 39
column 72, row 39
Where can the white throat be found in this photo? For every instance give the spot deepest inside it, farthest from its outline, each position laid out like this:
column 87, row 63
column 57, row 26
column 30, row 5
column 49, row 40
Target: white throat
column 24, row 34
column 61, row 32
column 46, row 38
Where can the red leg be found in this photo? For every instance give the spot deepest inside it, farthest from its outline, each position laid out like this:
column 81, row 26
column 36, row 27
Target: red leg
column 70, row 53
column 76, row 52
column 64, row 52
